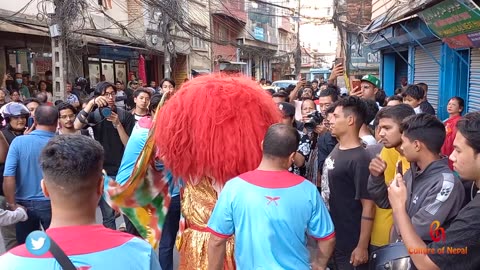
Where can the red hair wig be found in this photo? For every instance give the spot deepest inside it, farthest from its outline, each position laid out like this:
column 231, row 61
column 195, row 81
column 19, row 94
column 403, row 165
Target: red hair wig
column 213, row 126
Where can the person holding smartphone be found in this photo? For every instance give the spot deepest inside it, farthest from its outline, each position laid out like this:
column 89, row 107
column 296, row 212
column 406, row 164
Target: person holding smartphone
column 435, row 193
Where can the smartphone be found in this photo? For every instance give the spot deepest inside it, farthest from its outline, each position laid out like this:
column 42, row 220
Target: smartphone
column 356, row 84
column 400, row 168
column 30, row 122
column 338, row 61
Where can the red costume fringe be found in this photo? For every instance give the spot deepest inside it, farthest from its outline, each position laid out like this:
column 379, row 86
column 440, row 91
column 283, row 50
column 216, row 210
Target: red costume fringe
column 213, row 126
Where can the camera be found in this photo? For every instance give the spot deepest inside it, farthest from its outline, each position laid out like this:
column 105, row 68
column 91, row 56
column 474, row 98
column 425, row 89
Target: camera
column 107, row 111
column 315, row 118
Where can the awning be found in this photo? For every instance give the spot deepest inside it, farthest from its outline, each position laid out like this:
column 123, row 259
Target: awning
column 23, row 29
column 396, row 12
column 231, row 66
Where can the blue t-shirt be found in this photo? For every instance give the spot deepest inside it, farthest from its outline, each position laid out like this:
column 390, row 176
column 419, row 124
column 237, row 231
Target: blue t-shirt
column 23, row 162
column 134, row 146
column 88, row 247
column 271, row 213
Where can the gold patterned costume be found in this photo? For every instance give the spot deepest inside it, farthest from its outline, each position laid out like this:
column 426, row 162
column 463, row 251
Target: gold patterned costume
column 197, row 205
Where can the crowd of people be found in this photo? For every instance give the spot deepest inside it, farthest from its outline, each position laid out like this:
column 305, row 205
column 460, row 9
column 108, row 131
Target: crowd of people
column 27, row 126
column 355, row 172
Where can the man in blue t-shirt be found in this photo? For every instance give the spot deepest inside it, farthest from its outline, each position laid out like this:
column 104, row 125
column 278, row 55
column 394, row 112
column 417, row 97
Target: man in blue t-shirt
column 270, row 211
column 73, row 179
column 22, row 173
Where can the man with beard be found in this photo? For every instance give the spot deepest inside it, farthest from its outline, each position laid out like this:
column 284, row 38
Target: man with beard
column 66, row 115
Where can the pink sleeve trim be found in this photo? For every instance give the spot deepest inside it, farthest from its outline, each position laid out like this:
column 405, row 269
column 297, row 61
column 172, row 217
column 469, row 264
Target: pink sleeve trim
column 328, row 237
column 208, row 229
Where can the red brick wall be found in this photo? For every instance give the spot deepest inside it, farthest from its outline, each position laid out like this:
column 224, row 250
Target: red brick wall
column 359, row 11
column 225, row 52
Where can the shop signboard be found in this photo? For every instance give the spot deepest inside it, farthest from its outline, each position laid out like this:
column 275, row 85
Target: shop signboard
column 458, row 24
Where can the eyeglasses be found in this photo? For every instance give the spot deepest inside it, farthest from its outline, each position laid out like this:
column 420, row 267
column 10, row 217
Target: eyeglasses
column 111, row 94
column 70, row 116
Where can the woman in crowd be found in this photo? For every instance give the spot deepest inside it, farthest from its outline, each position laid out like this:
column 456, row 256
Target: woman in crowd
column 42, row 88
column 455, row 109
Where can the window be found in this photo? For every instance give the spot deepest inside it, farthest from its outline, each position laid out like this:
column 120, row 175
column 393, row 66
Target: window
column 305, row 60
column 198, row 43
column 222, row 32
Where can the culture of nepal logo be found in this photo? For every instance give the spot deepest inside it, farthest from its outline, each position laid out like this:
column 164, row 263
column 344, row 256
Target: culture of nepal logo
column 437, row 234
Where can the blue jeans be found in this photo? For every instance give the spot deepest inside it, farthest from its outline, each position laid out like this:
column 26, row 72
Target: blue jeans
column 169, row 233
column 39, row 212
column 108, row 214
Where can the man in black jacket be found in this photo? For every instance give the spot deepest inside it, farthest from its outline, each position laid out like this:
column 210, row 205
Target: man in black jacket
column 434, row 192
column 460, row 246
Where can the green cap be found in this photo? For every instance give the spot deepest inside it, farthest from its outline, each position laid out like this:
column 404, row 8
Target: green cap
column 371, row 79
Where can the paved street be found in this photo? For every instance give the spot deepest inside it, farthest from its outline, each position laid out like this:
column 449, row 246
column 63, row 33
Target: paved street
column 99, row 220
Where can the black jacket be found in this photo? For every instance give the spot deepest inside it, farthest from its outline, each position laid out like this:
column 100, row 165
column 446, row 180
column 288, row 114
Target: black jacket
column 434, row 194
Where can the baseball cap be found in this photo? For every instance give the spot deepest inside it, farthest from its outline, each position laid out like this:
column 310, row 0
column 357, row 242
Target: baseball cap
column 371, row 79
column 287, row 109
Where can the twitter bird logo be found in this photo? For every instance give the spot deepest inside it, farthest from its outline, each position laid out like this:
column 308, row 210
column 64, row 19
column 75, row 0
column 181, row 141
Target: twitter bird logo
column 37, row 243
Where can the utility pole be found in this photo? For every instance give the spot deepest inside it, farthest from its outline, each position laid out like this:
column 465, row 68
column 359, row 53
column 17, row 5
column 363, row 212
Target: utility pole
column 59, row 62
column 166, row 43
column 298, row 51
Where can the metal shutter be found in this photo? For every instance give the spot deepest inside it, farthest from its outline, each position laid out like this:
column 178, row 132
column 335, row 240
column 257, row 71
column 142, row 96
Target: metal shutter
column 428, row 71
column 474, row 86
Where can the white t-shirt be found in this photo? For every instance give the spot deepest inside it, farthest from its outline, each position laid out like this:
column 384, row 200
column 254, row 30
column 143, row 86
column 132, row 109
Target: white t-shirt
column 369, row 140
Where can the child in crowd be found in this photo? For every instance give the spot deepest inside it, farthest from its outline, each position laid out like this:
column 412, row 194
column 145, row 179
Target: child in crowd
column 413, row 96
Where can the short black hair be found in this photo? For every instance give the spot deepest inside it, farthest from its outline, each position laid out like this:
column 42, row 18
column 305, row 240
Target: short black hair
column 469, row 127
column 41, row 97
column 58, row 102
column 119, row 81
column 66, row 106
column 142, row 90
column 330, row 91
column 415, row 92
column 424, row 86
column 395, row 97
column 154, row 101
column 398, row 91
column 280, row 93
column 425, row 128
column 172, row 82
column 46, row 115
column 101, row 87
column 280, row 141
column 356, row 106
column 73, row 163
column 397, row 113
column 372, row 110
column 270, row 91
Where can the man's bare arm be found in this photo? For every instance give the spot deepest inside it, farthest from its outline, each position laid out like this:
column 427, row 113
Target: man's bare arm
column 217, row 248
